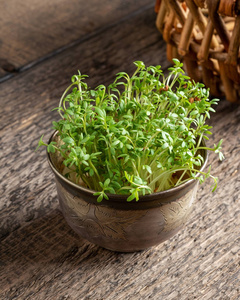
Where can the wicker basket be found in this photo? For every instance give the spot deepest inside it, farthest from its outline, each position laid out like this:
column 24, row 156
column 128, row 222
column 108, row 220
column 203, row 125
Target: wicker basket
column 205, row 34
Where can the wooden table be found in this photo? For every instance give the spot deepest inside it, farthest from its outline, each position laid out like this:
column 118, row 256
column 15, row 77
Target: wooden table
column 40, row 256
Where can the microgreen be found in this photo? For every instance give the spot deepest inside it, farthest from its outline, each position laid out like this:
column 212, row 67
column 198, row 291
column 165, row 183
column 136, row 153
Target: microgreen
column 139, row 135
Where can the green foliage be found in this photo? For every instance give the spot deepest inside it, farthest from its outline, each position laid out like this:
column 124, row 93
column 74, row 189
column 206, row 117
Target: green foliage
column 141, row 134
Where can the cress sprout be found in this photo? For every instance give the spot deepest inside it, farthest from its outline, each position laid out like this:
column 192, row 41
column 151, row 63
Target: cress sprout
column 139, row 135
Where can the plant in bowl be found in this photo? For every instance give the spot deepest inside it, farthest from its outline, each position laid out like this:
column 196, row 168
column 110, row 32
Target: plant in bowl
column 128, row 157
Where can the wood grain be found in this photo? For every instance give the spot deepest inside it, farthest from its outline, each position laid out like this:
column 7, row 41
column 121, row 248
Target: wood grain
column 42, row 258
column 32, row 29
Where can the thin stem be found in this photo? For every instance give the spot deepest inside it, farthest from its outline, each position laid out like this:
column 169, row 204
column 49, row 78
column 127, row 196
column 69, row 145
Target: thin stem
column 63, row 96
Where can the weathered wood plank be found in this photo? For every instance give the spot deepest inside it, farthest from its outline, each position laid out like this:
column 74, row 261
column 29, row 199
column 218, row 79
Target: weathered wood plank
column 42, row 258
column 31, row 29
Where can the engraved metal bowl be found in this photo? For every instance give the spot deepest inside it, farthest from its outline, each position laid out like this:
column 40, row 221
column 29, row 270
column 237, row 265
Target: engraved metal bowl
column 118, row 225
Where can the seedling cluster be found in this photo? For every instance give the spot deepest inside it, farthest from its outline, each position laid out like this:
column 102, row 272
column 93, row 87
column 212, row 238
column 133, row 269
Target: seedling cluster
column 139, row 135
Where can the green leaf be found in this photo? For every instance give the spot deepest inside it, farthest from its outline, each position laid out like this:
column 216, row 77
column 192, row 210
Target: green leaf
column 106, row 182
column 105, row 196
column 115, row 143
column 68, row 140
column 84, row 140
column 100, row 198
column 100, row 112
column 51, row 148
column 139, row 64
column 148, row 168
column 165, row 145
column 41, row 143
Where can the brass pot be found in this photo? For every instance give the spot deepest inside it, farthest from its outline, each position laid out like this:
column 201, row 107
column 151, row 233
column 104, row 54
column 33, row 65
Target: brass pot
column 118, row 225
